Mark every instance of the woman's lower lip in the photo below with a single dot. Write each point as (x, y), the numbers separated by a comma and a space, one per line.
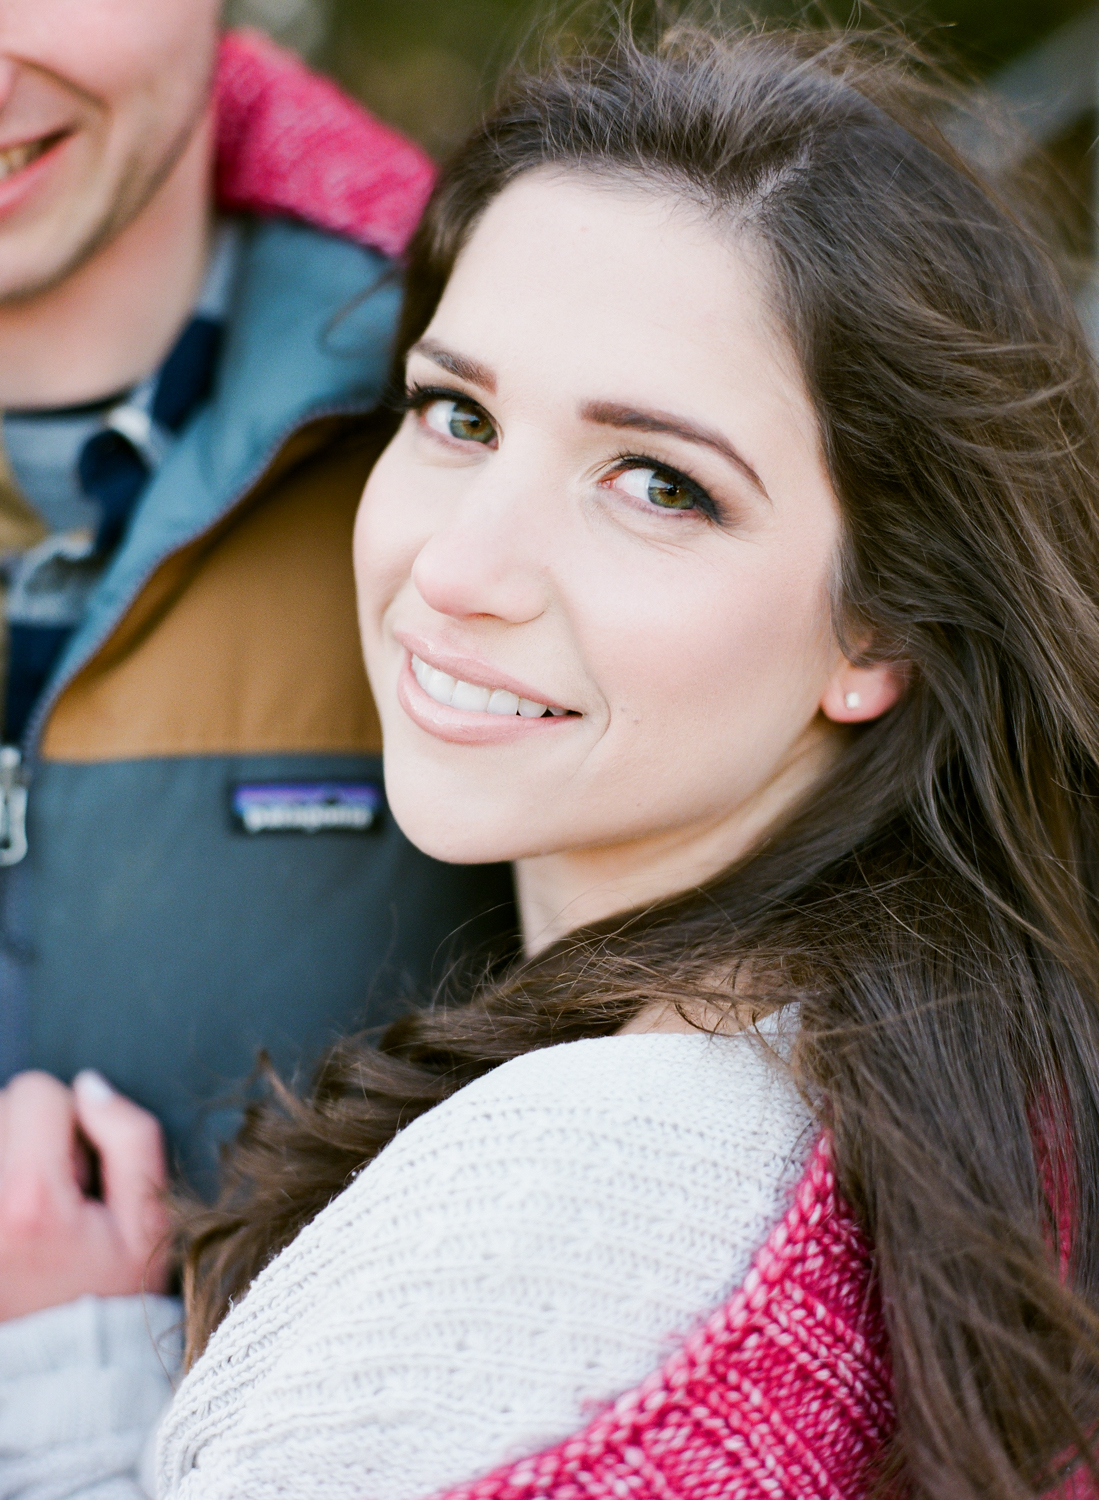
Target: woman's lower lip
(460, 726)
(15, 190)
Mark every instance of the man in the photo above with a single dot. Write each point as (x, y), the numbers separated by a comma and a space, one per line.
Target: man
(196, 302)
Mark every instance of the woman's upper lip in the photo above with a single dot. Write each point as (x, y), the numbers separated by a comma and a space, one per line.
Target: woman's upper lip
(471, 669)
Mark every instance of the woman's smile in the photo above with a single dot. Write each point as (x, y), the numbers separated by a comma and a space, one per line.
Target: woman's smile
(492, 708)
(457, 693)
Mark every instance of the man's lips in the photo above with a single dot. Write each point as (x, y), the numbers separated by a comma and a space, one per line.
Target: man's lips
(16, 157)
(20, 184)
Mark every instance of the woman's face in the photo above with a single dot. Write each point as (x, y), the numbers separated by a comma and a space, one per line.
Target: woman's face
(594, 562)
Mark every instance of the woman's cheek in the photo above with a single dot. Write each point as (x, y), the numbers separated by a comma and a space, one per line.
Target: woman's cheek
(379, 574)
(385, 541)
(736, 664)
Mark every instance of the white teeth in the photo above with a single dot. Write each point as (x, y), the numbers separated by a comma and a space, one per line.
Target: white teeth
(503, 702)
(467, 695)
(455, 693)
(439, 685)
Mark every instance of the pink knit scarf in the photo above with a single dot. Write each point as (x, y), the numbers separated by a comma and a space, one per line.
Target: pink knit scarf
(784, 1392)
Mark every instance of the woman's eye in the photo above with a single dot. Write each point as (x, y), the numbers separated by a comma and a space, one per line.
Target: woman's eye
(658, 487)
(458, 419)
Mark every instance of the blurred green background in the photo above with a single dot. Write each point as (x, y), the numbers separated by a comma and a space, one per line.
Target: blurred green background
(427, 64)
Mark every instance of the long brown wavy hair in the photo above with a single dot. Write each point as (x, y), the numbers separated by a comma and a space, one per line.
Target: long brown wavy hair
(932, 904)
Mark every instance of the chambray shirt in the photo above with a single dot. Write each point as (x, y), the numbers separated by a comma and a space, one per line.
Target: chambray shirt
(50, 583)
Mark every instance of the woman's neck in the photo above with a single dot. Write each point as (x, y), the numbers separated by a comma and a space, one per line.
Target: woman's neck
(558, 893)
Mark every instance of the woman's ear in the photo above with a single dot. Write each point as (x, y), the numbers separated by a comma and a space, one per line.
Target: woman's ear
(856, 694)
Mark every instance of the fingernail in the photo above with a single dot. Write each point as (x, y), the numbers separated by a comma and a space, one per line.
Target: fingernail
(92, 1087)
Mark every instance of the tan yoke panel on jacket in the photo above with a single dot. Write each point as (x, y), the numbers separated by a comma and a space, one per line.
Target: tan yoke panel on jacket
(244, 642)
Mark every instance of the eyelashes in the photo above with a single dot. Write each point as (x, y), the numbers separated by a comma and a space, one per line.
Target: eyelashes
(668, 490)
(417, 397)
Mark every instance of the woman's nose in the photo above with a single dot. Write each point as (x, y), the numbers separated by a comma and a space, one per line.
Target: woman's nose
(490, 558)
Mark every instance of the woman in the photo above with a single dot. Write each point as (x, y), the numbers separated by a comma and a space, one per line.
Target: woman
(734, 572)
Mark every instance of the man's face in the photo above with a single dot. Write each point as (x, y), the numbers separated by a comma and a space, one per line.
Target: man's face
(98, 99)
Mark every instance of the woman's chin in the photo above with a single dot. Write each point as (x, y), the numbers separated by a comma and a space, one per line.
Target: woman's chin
(438, 831)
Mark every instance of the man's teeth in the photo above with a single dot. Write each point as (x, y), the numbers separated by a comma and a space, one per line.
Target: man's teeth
(15, 158)
(458, 694)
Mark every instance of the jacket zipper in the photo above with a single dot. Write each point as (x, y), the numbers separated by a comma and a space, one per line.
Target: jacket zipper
(16, 760)
(13, 806)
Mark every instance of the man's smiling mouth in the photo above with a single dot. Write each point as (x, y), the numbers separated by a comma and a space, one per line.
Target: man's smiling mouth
(452, 692)
(14, 159)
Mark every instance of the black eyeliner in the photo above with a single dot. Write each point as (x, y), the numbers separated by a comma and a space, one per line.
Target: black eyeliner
(416, 396)
(706, 502)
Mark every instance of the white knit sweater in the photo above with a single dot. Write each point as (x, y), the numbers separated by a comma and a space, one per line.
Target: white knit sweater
(512, 1261)
(81, 1388)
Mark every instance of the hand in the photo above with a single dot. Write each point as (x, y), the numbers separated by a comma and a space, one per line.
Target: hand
(57, 1241)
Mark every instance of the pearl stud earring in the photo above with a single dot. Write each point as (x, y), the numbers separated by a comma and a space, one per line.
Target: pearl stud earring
(851, 700)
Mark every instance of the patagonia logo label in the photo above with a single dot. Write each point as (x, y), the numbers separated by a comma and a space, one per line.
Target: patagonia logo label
(307, 807)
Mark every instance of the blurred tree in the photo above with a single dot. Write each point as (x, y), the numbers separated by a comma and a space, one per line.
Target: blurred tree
(427, 64)
(301, 24)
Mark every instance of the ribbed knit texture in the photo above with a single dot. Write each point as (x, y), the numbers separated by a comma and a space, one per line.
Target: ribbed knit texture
(513, 1261)
(81, 1386)
(785, 1394)
(291, 142)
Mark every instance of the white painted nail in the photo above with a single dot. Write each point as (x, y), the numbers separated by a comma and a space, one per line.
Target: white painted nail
(92, 1087)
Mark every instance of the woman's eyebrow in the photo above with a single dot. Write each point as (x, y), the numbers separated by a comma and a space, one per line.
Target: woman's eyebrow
(456, 364)
(611, 414)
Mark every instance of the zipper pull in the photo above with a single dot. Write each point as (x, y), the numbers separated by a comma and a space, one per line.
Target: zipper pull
(13, 806)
